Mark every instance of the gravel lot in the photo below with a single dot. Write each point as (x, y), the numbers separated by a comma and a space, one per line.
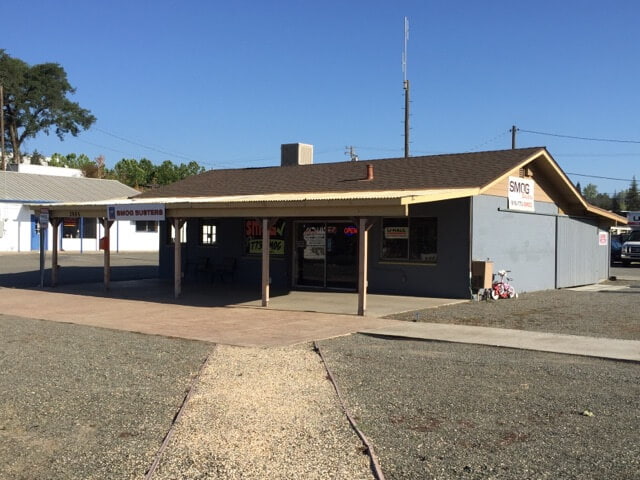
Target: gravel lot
(87, 403)
(264, 413)
(452, 411)
(611, 314)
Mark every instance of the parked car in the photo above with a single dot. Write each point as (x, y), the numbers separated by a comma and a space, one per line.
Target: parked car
(630, 251)
(616, 248)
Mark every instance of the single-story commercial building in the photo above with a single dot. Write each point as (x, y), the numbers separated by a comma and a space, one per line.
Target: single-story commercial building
(20, 228)
(423, 226)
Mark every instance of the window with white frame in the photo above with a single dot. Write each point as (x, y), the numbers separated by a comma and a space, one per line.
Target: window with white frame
(146, 226)
(208, 232)
(171, 233)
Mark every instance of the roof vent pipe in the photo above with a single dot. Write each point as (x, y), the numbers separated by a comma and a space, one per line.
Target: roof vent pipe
(369, 172)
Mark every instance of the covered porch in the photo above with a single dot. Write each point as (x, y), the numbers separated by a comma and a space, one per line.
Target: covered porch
(360, 210)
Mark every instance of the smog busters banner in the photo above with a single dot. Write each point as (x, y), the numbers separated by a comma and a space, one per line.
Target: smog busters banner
(149, 211)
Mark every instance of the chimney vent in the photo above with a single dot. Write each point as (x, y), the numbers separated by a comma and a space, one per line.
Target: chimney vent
(296, 154)
(369, 172)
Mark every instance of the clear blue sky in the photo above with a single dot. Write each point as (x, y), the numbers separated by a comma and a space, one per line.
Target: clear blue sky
(226, 82)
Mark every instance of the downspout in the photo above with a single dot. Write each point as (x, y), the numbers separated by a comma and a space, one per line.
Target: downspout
(81, 235)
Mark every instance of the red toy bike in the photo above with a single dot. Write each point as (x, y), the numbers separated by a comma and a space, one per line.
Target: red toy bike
(501, 288)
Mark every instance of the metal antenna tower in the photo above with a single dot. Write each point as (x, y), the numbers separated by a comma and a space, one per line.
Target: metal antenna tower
(350, 150)
(405, 86)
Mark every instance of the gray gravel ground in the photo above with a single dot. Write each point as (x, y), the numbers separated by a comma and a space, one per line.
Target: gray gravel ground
(610, 314)
(452, 411)
(86, 403)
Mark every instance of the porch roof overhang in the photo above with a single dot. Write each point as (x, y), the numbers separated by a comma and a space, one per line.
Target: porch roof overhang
(326, 204)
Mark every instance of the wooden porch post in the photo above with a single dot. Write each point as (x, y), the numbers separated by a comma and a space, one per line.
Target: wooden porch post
(265, 261)
(106, 224)
(177, 258)
(55, 224)
(363, 242)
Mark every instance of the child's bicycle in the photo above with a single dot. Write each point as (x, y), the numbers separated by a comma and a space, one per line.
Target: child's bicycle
(501, 288)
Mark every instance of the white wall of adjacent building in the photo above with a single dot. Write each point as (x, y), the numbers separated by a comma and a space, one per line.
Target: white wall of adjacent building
(15, 228)
(75, 235)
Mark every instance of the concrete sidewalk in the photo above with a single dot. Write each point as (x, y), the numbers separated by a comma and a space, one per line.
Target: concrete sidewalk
(522, 339)
(248, 326)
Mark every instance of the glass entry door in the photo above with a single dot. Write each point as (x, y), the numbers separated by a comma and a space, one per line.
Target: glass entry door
(326, 255)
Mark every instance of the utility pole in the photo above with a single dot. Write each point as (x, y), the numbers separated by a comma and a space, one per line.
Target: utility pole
(4, 163)
(513, 137)
(350, 150)
(405, 85)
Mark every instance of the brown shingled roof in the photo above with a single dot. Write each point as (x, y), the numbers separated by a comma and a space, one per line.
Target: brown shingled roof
(461, 170)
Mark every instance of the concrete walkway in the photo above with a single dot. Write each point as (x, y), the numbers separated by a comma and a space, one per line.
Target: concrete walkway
(249, 326)
(522, 339)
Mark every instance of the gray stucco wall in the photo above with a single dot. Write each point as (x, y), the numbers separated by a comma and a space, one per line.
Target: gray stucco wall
(521, 242)
(542, 250)
(581, 260)
(449, 277)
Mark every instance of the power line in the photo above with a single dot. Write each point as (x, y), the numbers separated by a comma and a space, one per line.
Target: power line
(596, 154)
(491, 140)
(591, 139)
(149, 147)
(603, 178)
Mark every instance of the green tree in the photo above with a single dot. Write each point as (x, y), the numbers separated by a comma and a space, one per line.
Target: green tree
(89, 168)
(130, 172)
(579, 188)
(632, 198)
(590, 192)
(36, 158)
(603, 200)
(167, 173)
(35, 101)
(615, 203)
(149, 170)
(144, 174)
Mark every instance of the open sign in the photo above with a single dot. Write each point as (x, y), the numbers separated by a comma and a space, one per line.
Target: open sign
(350, 231)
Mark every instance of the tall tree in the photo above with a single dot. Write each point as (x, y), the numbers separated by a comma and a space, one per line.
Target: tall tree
(144, 174)
(615, 203)
(130, 172)
(633, 197)
(35, 101)
(590, 192)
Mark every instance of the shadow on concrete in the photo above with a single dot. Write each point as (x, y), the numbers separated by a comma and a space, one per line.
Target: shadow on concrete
(162, 291)
(77, 275)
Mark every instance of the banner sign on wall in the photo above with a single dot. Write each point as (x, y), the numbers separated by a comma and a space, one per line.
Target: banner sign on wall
(520, 194)
(149, 211)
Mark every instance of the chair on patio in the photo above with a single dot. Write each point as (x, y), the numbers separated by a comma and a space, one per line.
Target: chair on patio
(226, 269)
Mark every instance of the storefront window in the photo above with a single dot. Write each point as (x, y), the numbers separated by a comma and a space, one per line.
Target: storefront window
(253, 237)
(414, 239)
(79, 228)
(89, 227)
(71, 228)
